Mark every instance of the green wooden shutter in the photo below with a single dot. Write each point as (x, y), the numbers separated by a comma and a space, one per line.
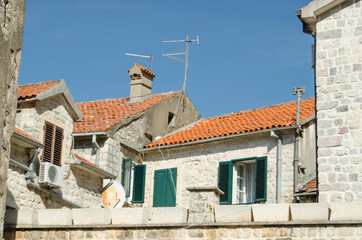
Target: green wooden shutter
(139, 177)
(260, 179)
(225, 182)
(159, 188)
(126, 175)
(171, 184)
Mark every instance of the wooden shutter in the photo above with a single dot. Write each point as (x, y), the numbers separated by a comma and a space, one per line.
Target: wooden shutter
(225, 182)
(48, 142)
(260, 179)
(171, 183)
(139, 178)
(53, 143)
(159, 189)
(126, 175)
(164, 191)
(58, 144)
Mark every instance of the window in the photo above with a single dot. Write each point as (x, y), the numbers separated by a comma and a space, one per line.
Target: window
(133, 180)
(53, 143)
(170, 117)
(164, 190)
(243, 180)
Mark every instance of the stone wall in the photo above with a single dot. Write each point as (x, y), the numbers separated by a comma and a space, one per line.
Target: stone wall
(257, 221)
(78, 186)
(339, 102)
(197, 165)
(11, 36)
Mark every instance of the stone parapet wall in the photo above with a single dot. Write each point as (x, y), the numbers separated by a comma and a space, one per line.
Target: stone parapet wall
(339, 102)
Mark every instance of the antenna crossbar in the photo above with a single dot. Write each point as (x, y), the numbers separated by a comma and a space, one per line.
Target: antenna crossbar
(139, 55)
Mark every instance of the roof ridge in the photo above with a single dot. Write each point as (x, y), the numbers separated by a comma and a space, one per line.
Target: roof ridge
(112, 99)
(39, 83)
(260, 108)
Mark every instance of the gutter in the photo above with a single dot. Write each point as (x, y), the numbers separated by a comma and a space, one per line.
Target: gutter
(27, 140)
(218, 138)
(95, 169)
(51, 193)
(97, 148)
(88, 134)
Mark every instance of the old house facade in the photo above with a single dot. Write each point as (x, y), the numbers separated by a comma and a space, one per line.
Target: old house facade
(336, 27)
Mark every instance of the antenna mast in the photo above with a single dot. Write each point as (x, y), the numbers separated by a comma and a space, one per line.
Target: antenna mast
(138, 55)
(186, 53)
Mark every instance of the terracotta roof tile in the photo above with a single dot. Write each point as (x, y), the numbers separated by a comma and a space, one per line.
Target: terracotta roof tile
(100, 116)
(31, 90)
(87, 162)
(144, 70)
(281, 115)
(310, 186)
(22, 133)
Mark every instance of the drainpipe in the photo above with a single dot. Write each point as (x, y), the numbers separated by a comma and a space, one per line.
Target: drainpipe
(279, 166)
(297, 91)
(97, 147)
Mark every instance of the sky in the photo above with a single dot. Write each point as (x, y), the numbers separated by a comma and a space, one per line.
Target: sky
(251, 53)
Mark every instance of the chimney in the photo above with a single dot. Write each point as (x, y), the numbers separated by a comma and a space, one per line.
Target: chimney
(141, 82)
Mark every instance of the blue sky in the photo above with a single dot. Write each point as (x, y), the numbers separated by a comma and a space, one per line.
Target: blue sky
(251, 53)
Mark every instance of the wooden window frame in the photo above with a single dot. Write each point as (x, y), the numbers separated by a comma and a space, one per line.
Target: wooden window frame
(53, 137)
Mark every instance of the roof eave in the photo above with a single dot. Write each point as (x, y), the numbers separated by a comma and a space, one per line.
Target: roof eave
(27, 140)
(218, 138)
(93, 169)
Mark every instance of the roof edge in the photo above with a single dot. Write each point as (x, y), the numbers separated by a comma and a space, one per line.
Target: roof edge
(62, 88)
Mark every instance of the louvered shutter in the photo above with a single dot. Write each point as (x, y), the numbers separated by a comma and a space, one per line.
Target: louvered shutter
(260, 179)
(139, 178)
(53, 143)
(225, 182)
(126, 175)
(171, 183)
(48, 142)
(159, 189)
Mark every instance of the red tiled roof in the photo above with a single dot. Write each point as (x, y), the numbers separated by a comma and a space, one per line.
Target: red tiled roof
(100, 116)
(281, 115)
(20, 132)
(31, 90)
(144, 70)
(87, 162)
(310, 186)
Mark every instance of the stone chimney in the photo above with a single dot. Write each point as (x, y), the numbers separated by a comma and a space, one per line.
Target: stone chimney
(141, 82)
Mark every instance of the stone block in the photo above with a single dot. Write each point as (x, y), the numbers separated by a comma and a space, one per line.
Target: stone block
(88, 216)
(270, 212)
(168, 215)
(309, 212)
(130, 215)
(55, 217)
(346, 211)
(233, 213)
(19, 217)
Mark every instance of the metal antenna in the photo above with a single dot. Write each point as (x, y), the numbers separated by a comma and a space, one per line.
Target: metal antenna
(186, 53)
(138, 55)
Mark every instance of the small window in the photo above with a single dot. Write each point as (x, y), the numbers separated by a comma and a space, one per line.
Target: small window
(164, 190)
(243, 180)
(170, 117)
(133, 181)
(149, 136)
(53, 143)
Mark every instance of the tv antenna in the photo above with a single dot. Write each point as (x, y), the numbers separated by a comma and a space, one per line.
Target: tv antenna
(186, 53)
(143, 56)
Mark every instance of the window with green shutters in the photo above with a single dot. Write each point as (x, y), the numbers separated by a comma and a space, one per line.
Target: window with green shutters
(164, 191)
(133, 181)
(243, 180)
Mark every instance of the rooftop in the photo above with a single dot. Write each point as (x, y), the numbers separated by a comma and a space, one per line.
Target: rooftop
(275, 116)
(33, 89)
(101, 115)
(28, 136)
(143, 69)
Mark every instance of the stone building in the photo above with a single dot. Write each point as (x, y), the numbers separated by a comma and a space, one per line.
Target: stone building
(61, 151)
(336, 26)
(247, 155)
(11, 35)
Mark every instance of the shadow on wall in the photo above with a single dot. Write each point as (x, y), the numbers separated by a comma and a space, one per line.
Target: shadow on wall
(87, 181)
